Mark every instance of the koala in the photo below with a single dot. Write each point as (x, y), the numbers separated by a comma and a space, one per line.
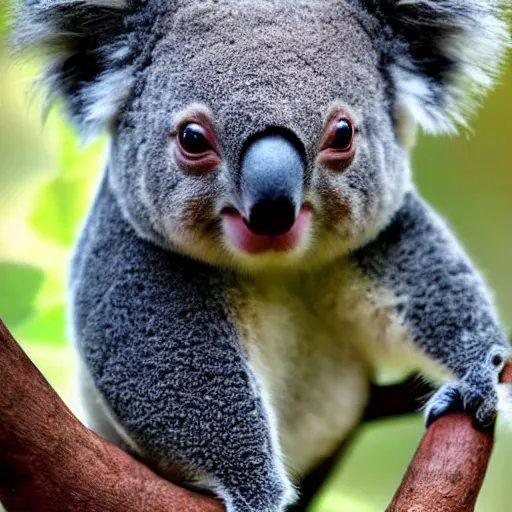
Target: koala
(257, 250)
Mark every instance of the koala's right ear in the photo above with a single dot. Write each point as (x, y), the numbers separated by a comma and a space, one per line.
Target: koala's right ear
(441, 56)
(86, 51)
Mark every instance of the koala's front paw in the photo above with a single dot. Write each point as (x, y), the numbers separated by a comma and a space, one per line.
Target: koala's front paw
(476, 393)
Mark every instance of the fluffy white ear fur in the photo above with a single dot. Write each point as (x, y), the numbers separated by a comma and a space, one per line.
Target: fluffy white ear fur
(505, 404)
(86, 55)
(471, 35)
(105, 97)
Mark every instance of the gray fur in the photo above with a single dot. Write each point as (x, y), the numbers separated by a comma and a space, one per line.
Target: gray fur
(86, 52)
(442, 55)
(158, 337)
(233, 372)
(444, 304)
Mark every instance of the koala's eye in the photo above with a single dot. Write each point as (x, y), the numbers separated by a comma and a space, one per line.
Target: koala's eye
(193, 139)
(343, 135)
(337, 149)
(195, 147)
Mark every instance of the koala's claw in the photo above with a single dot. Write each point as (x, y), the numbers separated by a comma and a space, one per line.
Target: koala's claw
(476, 393)
(446, 399)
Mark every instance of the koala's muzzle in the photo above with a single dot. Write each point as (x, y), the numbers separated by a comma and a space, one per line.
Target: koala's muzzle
(271, 184)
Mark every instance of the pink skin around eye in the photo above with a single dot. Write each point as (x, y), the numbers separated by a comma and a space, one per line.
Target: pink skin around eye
(246, 241)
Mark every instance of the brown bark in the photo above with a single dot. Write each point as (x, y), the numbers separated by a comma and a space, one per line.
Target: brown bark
(50, 462)
(449, 466)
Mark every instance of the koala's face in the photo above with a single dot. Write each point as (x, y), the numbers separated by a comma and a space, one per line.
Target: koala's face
(264, 133)
(260, 135)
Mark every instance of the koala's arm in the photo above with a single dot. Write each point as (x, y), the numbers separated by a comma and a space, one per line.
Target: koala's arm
(444, 305)
(158, 337)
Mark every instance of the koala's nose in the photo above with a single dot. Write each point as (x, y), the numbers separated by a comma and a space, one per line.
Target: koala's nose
(272, 217)
(271, 184)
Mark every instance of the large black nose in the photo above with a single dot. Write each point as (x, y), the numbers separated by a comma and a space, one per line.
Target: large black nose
(271, 184)
(272, 217)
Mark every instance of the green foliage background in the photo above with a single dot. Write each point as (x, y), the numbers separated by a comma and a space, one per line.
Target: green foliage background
(46, 180)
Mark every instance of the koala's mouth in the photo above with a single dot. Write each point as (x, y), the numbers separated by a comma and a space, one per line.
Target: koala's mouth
(245, 240)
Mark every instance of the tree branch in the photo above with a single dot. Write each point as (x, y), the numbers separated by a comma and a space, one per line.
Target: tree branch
(50, 462)
(449, 466)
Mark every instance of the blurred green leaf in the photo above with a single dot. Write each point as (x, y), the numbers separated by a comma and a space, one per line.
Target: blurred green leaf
(57, 210)
(74, 160)
(69, 154)
(20, 284)
(61, 202)
(46, 327)
(3, 19)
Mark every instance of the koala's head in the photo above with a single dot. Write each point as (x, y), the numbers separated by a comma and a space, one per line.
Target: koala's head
(266, 133)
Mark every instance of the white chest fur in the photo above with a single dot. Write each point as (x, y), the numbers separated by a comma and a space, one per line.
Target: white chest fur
(313, 344)
(312, 374)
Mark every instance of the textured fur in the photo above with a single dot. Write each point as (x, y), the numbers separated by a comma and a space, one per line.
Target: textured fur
(184, 392)
(442, 55)
(235, 373)
(87, 55)
(453, 310)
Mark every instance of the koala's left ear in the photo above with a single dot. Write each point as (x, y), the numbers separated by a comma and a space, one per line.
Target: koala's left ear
(440, 55)
(86, 52)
